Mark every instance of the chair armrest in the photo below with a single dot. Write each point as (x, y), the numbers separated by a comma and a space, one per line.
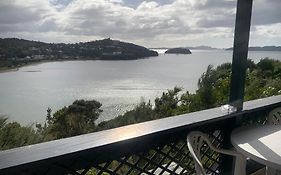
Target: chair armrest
(220, 150)
(198, 165)
(240, 160)
(196, 139)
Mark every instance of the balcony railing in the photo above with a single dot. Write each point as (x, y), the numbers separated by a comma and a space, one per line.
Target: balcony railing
(154, 147)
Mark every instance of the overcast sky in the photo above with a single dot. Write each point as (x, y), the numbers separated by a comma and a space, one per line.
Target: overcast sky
(150, 23)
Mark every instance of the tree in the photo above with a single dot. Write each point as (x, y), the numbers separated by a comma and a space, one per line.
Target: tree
(205, 88)
(78, 118)
(49, 115)
(167, 104)
(265, 65)
(141, 113)
(14, 135)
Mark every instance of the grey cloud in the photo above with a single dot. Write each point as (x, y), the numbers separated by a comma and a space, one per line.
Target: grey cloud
(16, 16)
(97, 20)
(19, 27)
(5, 28)
(131, 19)
(103, 21)
(48, 25)
(218, 4)
(12, 14)
(136, 3)
(266, 12)
(227, 21)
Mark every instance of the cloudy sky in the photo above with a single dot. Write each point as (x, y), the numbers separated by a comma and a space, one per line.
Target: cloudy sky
(153, 23)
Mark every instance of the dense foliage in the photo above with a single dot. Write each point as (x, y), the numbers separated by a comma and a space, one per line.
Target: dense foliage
(263, 80)
(78, 118)
(14, 135)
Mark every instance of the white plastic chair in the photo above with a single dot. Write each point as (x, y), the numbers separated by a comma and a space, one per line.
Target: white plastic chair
(196, 139)
(274, 118)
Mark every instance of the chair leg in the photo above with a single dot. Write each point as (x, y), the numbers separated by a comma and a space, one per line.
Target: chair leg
(270, 171)
(198, 170)
(240, 165)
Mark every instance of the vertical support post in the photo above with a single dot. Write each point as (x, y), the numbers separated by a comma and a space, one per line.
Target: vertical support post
(238, 76)
(240, 52)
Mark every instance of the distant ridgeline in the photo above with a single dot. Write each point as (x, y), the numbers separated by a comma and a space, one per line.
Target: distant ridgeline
(12, 49)
(265, 48)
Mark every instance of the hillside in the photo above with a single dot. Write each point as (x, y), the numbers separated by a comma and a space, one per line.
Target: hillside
(15, 52)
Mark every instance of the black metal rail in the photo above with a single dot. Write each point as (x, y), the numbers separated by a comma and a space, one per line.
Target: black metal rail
(151, 147)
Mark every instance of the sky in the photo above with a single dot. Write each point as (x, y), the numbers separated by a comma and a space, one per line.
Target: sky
(156, 23)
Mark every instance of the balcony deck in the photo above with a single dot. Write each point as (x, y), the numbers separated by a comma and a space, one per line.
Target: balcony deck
(154, 147)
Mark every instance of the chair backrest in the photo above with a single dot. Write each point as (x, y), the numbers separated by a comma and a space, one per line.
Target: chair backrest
(195, 141)
(274, 117)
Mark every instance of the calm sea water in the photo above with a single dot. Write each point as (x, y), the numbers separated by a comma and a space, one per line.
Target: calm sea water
(118, 85)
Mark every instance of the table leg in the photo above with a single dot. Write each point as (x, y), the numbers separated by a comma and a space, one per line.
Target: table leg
(272, 171)
(240, 165)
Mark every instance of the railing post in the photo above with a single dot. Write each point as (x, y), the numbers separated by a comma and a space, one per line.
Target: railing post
(240, 52)
(238, 76)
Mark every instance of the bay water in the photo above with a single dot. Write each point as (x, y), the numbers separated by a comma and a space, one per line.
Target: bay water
(26, 94)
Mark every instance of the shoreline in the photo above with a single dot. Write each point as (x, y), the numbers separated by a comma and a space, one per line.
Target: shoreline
(16, 68)
(32, 63)
(7, 69)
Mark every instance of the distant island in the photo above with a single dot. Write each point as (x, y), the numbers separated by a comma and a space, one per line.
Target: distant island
(264, 48)
(202, 48)
(179, 50)
(18, 52)
(191, 48)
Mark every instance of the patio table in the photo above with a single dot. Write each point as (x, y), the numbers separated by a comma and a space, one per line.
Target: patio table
(260, 143)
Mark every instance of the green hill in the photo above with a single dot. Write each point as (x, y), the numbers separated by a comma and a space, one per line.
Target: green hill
(15, 52)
